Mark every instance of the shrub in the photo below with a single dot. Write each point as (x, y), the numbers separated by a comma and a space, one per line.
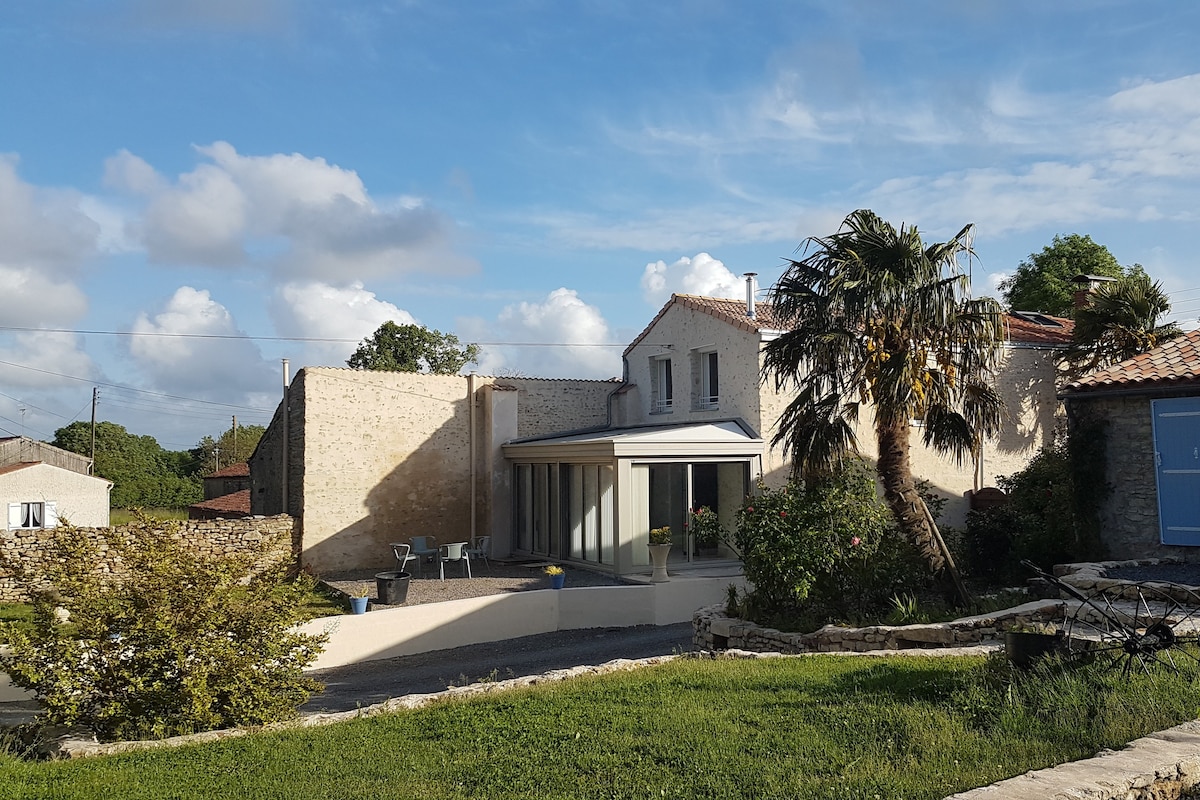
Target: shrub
(168, 642)
(821, 546)
(1038, 523)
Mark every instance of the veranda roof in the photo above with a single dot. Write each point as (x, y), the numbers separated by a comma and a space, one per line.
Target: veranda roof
(723, 439)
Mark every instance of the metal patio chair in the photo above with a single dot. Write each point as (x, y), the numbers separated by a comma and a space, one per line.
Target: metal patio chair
(455, 551)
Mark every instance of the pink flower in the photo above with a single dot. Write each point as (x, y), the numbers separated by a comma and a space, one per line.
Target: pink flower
(749, 509)
(855, 541)
(783, 513)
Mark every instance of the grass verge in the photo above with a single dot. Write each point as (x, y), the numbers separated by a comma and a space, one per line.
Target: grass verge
(821, 727)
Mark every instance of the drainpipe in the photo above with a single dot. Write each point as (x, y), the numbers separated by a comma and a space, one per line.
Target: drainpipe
(471, 447)
(608, 405)
(749, 276)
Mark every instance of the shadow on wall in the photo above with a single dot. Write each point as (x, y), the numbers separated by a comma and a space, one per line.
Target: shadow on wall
(426, 493)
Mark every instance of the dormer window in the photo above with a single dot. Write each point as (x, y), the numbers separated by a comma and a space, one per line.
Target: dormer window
(708, 394)
(661, 386)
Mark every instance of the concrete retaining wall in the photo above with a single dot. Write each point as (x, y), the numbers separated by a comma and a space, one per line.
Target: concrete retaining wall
(392, 632)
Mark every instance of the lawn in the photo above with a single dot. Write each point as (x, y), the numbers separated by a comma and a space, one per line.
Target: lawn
(822, 727)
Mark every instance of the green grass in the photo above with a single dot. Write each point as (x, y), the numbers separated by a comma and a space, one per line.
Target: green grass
(824, 727)
(123, 516)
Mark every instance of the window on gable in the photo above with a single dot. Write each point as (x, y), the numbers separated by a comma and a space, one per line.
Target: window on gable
(709, 380)
(661, 387)
(31, 516)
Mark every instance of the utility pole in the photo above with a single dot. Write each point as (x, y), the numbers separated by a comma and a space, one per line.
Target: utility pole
(217, 457)
(235, 450)
(95, 397)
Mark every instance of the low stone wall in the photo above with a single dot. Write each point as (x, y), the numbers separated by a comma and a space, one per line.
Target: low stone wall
(713, 630)
(215, 537)
(1091, 578)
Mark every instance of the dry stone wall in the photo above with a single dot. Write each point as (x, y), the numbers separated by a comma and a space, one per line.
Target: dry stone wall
(216, 537)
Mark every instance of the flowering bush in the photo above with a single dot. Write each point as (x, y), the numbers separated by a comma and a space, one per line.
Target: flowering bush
(825, 545)
(705, 527)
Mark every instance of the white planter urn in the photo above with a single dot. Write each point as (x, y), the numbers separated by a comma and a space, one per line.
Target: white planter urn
(658, 557)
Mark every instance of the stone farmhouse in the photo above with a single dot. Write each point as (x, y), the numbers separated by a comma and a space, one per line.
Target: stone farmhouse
(41, 484)
(576, 470)
(1147, 409)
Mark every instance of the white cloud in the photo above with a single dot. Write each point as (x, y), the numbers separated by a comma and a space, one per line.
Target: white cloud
(33, 298)
(302, 217)
(702, 275)
(42, 228)
(205, 367)
(314, 310)
(48, 360)
(561, 320)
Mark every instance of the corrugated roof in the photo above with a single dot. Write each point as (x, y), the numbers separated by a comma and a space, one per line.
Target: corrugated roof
(1173, 364)
(1020, 330)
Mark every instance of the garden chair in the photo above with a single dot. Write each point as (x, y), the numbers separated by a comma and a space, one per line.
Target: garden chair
(424, 548)
(404, 554)
(456, 551)
(483, 545)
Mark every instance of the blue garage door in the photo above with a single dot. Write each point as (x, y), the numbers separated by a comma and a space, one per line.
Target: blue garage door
(1177, 446)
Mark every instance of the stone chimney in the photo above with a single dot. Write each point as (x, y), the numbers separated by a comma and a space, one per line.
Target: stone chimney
(1084, 286)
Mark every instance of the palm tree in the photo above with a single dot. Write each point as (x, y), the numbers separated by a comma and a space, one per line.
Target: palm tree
(1121, 321)
(882, 321)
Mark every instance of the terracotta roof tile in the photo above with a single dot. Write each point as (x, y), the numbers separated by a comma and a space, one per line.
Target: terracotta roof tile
(1020, 329)
(239, 470)
(238, 502)
(1175, 363)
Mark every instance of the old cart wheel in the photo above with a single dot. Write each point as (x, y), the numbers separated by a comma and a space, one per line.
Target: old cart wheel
(1131, 626)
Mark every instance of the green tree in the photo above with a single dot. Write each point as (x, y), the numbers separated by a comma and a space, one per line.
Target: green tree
(1044, 282)
(412, 348)
(879, 319)
(1121, 320)
(231, 447)
(180, 642)
(142, 472)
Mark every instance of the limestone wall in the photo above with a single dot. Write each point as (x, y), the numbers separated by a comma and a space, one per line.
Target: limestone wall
(380, 457)
(713, 630)
(208, 537)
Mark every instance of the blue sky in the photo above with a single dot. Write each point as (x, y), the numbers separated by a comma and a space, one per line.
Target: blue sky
(253, 173)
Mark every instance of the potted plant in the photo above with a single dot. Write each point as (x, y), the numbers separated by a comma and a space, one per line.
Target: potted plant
(1026, 642)
(706, 531)
(660, 545)
(557, 576)
(358, 604)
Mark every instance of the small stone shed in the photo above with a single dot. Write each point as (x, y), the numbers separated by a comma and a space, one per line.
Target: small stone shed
(1148, 408)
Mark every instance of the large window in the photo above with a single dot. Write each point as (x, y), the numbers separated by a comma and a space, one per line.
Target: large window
(31, 516)
(566, 511)
(661, 386)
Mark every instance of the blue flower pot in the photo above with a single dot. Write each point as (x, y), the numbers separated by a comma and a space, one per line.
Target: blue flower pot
(557, 581)
(358, 605)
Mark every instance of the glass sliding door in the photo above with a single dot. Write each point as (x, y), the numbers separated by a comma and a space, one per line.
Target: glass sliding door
(665, 493)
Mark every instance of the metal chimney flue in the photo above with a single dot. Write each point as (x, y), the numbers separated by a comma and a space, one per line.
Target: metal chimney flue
(749, 276)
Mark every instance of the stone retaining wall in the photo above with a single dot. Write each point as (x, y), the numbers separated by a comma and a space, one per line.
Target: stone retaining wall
(713, 630)
(215, 537)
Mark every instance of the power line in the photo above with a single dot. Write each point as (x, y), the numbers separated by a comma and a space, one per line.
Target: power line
(246, 337)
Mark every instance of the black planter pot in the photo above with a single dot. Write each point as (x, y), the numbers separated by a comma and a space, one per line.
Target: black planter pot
(391, 588)
(1024, 648)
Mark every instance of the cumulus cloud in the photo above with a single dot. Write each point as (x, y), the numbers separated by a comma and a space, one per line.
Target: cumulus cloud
(313, 310)
(302, 217)
(44, 360)
(559, 321)
(33, 297)
(201, 361)
(703, 275)
(42, 228)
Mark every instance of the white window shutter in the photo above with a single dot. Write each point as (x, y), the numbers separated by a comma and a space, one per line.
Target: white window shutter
(14, 516)
(50, 520)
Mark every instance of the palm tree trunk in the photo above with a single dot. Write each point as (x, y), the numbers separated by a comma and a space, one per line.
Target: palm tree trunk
(901, 495)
